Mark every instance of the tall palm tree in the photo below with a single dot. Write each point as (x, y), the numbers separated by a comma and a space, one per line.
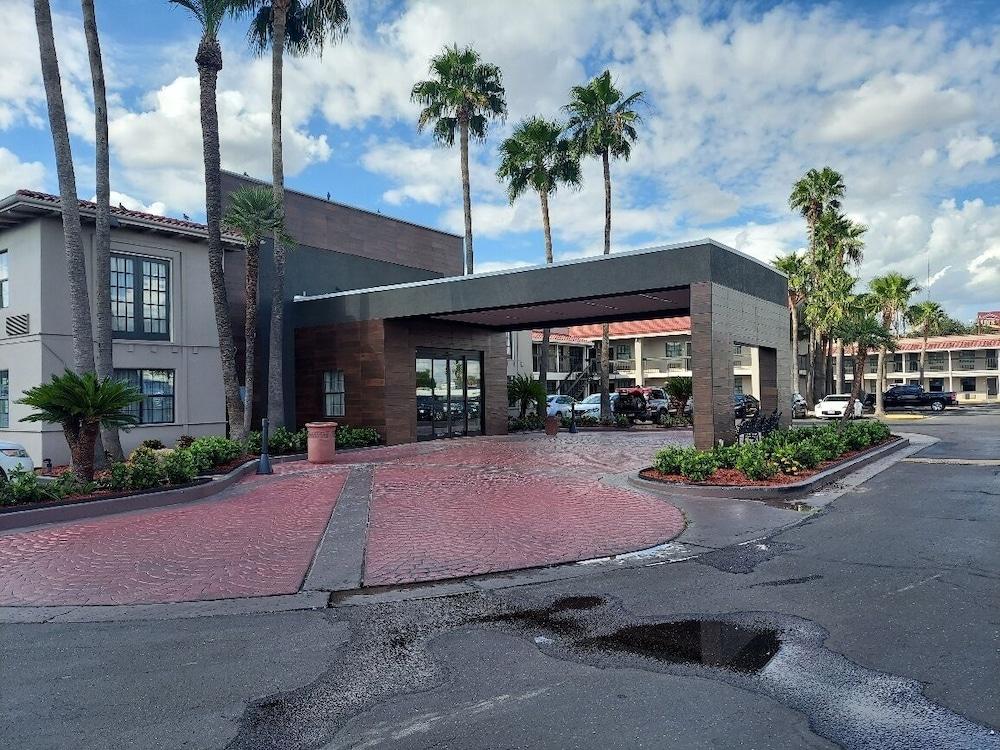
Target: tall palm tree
(602, 122)
(210, 14)
(102, 231)
(464, 94)
(794, 267)
(866, 333)
(254, 213)
(536, 156)
(890, 295)
(929, 318)
(299, 27)
(813, 195)
(76, 267)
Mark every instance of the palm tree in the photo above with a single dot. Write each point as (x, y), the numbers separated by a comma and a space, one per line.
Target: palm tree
(299, 27)
(81, 404)
(102, 231)
(889, 294)
(794, 267)
(929, 318)
(866, 333)
(537, 156)
(679, 389)
(254, 213)
(464, 94)
(210, 14)
(816, 193)
(602, 122)
(524, 390)
(76, 267)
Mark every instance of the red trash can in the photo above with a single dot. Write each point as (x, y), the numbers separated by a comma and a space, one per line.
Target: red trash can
(321, 442)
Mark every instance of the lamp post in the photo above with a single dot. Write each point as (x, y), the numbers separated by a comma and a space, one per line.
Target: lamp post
(264, 463)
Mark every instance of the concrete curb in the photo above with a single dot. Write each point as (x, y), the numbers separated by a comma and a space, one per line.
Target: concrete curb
(783, 491)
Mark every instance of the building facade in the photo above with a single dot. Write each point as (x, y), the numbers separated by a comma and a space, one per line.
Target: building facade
(165, 340)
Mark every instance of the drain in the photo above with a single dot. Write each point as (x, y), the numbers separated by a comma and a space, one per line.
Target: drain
(712, 643)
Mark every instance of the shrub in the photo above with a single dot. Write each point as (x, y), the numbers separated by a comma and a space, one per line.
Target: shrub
(153, 444)
(144, 470)
(212, 450)
(726, 456)
(68, 483)
(830, 443)
(698, 465)
(283, 441)
(118, 476)
(357, 437)
(179, 466)
(786, 458)
(668, 460)
(622, 421)
(755, 463)
(22, 486)
(520, 424)
(184, 441)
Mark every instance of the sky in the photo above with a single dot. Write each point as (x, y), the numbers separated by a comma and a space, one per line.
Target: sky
(740, 99)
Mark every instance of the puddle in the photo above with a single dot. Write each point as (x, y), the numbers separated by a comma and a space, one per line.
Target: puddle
(712, 643)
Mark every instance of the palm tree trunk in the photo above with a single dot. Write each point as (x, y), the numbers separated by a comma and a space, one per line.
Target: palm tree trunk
(250, 334)
(463, 125)
(840, 367)
(828, 362)
(880, 383)
(276, 337)
(795, 345)
(543, 360)
(103, 359)
(209, 60)
(860, 355)
(811, 370)
(76, 268)
(605, 329)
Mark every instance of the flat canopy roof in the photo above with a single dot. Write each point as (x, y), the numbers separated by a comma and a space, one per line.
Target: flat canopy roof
(622, 286)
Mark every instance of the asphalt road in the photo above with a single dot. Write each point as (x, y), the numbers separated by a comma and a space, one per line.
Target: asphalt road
(875, 624)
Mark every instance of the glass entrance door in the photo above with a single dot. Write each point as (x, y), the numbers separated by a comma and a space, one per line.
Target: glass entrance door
(449, 394)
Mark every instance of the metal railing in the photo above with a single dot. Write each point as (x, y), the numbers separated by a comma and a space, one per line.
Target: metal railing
(666, 364)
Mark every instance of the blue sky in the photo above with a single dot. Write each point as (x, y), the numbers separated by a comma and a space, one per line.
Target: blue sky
(742, 99)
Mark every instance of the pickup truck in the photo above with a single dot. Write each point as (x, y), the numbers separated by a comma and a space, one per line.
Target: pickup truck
(900, 396)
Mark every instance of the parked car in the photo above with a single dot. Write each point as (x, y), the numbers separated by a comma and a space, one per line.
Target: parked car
(833, 406)
(658, 404)
(631, 404)
(745, 405)
(799, 406)
(591, 406)
(12, 456)
(900, 396)
(559, 405)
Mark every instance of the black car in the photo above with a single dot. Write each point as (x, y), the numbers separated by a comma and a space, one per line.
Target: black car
(745, 405)
(631, 405)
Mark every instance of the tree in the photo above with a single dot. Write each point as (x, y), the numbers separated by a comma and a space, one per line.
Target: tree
(81, 404)
(813, 195)
(602, 123)
(210, 14)
(523, 390)
(299, 27)
(536, 156)
(679, 389)
(866, 333)
(104, 360)
(462, 95)
(794, 267)
(929, 318)
(76, 267)
(889, 296)
(254, 213)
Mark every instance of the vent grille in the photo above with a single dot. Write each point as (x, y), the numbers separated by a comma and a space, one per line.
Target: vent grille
(17, 325)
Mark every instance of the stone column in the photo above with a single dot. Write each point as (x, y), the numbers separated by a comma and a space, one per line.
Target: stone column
(767, 372)
(640, 379)
(712, 370)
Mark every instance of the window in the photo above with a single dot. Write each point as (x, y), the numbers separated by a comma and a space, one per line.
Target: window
(333, 393)
(623, 351)
(4, 280)
(510, 345)
(157, 388)
(967, 360)
(676, 349)
(140, 297)
(4, 398)
(969, 385)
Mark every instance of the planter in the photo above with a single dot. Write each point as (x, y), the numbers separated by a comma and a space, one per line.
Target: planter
(552, 425)
(322, 442)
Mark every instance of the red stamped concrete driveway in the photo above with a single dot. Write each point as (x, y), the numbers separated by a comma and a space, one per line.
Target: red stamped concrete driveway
(256, 539)
(472, 506)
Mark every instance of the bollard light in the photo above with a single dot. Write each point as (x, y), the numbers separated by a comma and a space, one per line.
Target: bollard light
(264, 463)
(572, 418)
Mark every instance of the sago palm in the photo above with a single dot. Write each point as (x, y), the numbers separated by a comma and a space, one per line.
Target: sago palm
(461, 97)
(210, 15)
(254, 213)
(890, 295)
(299, 27)
(866, 333)
(603, 123)
(537, 157)
(929, 318)
(81, 404)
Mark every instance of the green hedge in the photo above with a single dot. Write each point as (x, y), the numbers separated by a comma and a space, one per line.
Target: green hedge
(785, 451)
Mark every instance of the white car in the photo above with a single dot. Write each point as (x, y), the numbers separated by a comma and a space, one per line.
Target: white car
(591, 406)
(560, 406)
(832, 407)
(13, 455)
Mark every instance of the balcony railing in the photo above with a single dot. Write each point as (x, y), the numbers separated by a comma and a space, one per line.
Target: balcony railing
(741, 360)
(622, 365)
(666, 364)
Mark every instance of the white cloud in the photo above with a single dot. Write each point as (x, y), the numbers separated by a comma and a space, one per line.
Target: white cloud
(970, 150)
(502, 265)
(156, 208)
(16, 174)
